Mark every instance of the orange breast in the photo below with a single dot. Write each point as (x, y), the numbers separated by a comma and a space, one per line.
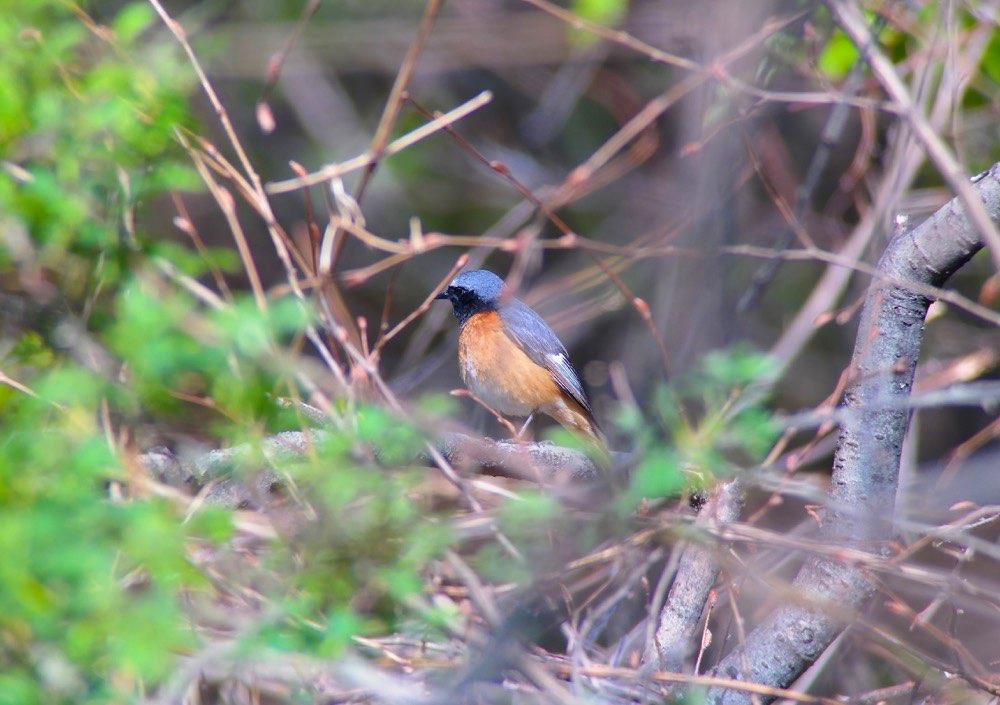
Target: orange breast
(498, 371)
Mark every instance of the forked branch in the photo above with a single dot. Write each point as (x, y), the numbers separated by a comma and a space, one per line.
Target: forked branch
(866, 464)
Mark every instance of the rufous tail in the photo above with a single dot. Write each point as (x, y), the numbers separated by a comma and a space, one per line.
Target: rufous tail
(573, 416)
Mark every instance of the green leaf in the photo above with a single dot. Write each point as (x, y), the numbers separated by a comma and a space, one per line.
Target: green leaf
(754, 431)
(401, 583)
(290, 315)
(838, 56)
(212, 523)
(341, 626)
(629, 419)
(171, 176)
(991, 57)
(70, 387)
(603, 12)
(437, 405)
(530, 512)
(148, 630)
(31, 349)
(396, 440)
(737, 367)
(132, 20)
(658, 475)
(246, 326)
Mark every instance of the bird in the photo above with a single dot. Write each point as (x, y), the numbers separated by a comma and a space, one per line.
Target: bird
(510, 358)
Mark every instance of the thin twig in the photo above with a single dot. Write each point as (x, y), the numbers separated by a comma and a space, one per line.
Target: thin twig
(422, 308)
(853, 23)
(397, 145)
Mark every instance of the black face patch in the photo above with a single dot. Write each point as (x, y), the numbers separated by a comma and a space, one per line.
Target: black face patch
(466, 303)
(472, 292)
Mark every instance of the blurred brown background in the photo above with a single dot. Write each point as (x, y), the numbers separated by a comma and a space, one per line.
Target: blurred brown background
(722, 166)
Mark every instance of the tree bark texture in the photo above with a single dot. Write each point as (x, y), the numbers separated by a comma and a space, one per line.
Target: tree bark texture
(866, 464)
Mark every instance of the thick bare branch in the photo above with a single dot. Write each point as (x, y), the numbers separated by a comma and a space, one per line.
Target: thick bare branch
(231, 489)
(697, 572)
(866, 464)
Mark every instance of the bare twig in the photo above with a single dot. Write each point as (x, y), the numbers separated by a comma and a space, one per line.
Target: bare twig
(866, 467)
(390, 113)
(674, 639)
(422, 308)
(853, 23)
(276, 61)
(903, 169)
(830, 135)
(368, 158)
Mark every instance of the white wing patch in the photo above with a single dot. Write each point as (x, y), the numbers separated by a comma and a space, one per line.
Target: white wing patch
(566, 375)
(560, 363)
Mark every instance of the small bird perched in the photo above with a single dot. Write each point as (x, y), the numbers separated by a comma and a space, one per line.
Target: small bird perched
(511, 359)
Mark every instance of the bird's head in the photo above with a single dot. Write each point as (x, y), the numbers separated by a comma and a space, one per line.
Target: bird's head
(472, 292)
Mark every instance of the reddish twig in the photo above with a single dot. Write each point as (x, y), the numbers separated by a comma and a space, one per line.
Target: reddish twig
(501, 419)
(274, 63)
(853, 23)
(422, 308)
(865, 471)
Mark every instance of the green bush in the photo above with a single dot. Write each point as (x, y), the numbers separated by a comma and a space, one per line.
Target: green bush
(88, 583)
(100, 584)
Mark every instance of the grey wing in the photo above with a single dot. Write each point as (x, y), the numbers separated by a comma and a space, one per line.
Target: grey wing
(539, 343)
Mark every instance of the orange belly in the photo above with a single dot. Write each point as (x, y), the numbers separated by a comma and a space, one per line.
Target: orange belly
(497, 371)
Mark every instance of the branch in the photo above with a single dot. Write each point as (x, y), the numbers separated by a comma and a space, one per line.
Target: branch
(237, 490)
(866, 465)
(697, 572)
(851, 20)
(556, 462)
(366, 159)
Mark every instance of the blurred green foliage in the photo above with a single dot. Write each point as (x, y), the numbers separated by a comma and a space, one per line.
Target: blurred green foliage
(991, 59)
(707, 427)
(96, 566)
(363, 555)
(88, 586)
(84, 109)
(603, 12)
(98, 574)
(838, 56)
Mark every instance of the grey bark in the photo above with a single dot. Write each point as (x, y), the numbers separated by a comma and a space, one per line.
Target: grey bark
(676, 633)
(234, 489)
(866, 464)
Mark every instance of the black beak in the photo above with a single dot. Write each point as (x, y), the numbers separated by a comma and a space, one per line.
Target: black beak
(443, 295)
